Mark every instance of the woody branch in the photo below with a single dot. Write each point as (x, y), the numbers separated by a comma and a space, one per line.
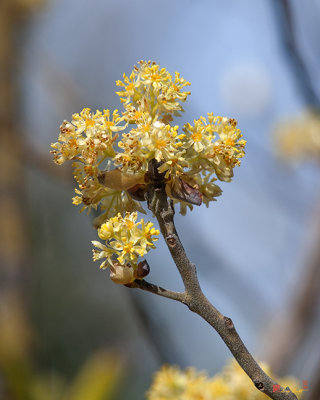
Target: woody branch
(193, 297)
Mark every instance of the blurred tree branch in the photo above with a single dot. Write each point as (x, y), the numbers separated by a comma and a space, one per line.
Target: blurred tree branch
(302, 312)
(15, 332)
(304, 303)
(284, 17)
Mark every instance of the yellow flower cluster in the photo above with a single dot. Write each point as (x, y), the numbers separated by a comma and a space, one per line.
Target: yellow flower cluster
(88, 138)
(214, 147)
(125, 240)
(298, 139)
(111, 170)
(171, 383)
(88, 141)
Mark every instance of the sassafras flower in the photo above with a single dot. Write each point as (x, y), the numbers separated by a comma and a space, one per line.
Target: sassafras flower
(174, 165)
(88, 122)
(197, 136)
(147, 231)
(210, 147)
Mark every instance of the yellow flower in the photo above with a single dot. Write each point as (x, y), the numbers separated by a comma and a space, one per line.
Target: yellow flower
(197, 136)
(147, 231)
(105, 252)
(140, 145)
(88, 122)
(153, 90)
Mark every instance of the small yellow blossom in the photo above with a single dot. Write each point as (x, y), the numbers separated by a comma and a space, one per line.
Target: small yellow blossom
(147, 231)
(152, 89)
(197, 137)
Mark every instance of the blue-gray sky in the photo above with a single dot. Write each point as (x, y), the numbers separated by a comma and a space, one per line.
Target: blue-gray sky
(231, 53)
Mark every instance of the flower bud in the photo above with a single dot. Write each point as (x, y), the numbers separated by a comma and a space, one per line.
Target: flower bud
(142, 270)
(122, 274)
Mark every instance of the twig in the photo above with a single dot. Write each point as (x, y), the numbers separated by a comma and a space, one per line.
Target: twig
(150, 287)
(283, 14)
(196, 301)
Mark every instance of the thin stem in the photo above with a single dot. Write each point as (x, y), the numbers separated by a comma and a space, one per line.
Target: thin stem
(197, 301)
(150, 287)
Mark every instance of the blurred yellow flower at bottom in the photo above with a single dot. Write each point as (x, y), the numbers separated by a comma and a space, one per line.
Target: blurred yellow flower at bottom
(172, 383)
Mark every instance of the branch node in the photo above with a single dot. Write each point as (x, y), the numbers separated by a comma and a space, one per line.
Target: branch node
(167, 215)
(228, 322)
(171, 240)
(259, 385)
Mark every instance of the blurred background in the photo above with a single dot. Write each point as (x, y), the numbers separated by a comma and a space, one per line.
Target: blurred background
(66, 330)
